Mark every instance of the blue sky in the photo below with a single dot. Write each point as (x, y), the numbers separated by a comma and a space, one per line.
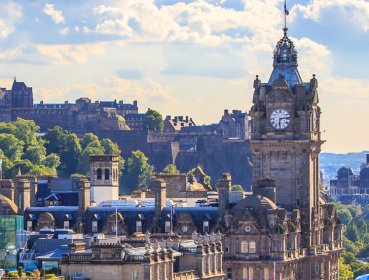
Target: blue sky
(191, 57)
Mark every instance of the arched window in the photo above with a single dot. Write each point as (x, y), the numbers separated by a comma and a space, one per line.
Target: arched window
(99, 174)
(266, 273)
(252, 247)
(244, 247)
(107, 174)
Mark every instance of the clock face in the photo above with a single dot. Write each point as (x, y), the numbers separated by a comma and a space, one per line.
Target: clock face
(280, 119)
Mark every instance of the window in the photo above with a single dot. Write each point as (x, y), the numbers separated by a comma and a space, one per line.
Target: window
(297, 181)
(252, 247)
(107, 174)
(134, 275)
(138, 226)
(184, 229)
(66, 224)
(244, 273)
(205, 226)
(251, 273)
(226, 249)
(316, 267)
(244, 247)
(266, 273)
(229, 273)
(98, 174)
(29, 225)
(94, 226)
(167, 226)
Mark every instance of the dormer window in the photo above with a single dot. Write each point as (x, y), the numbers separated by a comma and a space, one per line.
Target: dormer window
(167, 226)
(205, 226)
(138, 226)
(184, 229)
(244, 247)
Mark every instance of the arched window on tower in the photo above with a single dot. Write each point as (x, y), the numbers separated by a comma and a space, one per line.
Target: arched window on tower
(99, 174)
(107, 174)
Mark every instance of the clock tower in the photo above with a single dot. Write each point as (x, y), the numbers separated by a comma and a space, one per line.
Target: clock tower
(285, 138)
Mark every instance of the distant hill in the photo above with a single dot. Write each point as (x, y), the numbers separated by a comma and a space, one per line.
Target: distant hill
(331, 162)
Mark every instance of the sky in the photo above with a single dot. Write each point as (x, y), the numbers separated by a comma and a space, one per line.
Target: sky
(190, 57)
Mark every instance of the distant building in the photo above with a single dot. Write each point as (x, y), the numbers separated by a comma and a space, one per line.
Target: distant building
(81, 117)
(159, 256)
(347, 185)
(136, 121)
(176, 123)
(233, 125)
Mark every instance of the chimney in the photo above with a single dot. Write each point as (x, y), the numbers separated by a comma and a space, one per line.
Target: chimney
(160, 190)
(367, 159)
(22, 195)
(84, 194)
(224, 188)
(135, 103)
(225, 112)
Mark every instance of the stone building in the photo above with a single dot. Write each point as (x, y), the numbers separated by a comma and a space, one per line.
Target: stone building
(153, 257)
(233, 125)
(351, 187)
(176, 123)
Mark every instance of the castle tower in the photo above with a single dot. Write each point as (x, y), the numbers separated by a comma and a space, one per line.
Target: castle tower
(21, 95)
(285, 138)
(104, 172)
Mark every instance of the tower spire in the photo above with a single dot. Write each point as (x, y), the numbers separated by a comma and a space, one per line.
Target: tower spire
(286, 13)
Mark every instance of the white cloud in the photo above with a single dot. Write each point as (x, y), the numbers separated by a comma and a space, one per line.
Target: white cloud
(62, 54)
(358, 8)
(64, 31)
(56, 15)
(198, 21)
(147, 91)
(11, 13)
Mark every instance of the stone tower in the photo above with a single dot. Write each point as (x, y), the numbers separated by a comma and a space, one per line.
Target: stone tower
(285, 138)
(104, 172)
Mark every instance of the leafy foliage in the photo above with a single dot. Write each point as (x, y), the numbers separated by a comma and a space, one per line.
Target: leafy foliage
(59, 152)
(170, 169)
(153, 120)
(139, 172)
(237, 188)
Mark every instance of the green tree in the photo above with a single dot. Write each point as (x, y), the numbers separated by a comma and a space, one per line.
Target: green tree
(41, 170)
(26, 131)
(344, 215)
(139, 172)
(88, 138)
(84, 160)
(146, 178)
(35, 153)
(11, 146)
(70, 154)
(237, 188)
(25, 166)
(153, 120)
(111, 148)
(352, 232)
(170, 169)
(345, 272)
(52, 161)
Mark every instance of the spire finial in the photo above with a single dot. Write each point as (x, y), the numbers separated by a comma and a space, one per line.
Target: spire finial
(286, 13)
